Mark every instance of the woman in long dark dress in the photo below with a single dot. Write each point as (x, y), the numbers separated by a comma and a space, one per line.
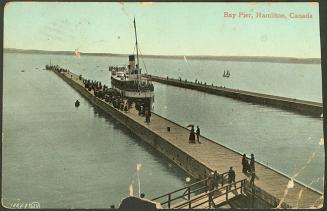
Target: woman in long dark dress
(245, 164)
(192, 136)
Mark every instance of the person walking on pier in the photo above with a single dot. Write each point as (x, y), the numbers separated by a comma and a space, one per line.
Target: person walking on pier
(245, 165)
(147, 116)
(198, 134)
(252, 161)
(231, 177)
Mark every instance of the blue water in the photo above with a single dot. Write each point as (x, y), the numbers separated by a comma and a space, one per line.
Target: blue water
(300, 81)
(282, 140)
(65, 157)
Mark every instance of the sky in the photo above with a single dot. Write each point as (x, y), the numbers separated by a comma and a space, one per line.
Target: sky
(164, 28)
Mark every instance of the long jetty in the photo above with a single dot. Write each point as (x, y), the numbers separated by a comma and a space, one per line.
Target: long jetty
(198, 160)
(309, 108)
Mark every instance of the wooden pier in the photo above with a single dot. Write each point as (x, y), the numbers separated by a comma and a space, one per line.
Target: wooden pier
(299, 106)
(199, 159)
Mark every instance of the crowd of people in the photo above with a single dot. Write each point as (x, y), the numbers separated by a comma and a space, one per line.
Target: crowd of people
(141, 85)
(107, 94)
(196, 82)
(117, 68)
(114, 97)
(214, 178)
(56, 68)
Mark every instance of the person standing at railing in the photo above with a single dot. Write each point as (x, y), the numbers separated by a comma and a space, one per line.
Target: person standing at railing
(211, 186)
(210, 181)
(216, 179)
(252, 161)
(231, 177)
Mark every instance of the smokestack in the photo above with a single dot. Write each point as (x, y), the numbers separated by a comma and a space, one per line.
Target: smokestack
(131, 62)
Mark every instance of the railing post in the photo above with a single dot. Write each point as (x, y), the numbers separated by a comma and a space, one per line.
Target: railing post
(188, 193)
(227, 193)
(169, 198)
(189, 197)
(206, 185)
(209, 200)
(253, 195)
(222, 180)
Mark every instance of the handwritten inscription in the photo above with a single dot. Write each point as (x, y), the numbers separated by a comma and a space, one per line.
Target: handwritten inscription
(261, 15)
(20, 205)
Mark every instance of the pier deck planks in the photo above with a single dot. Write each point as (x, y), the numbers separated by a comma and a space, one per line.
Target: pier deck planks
(217, 157)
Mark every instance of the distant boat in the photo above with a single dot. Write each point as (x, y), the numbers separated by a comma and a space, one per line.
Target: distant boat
(226, 74)
(22, 71)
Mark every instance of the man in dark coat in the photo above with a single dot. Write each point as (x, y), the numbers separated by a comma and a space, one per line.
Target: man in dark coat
(252, 161)
(198, 134)
(231, 177)
(211, 186)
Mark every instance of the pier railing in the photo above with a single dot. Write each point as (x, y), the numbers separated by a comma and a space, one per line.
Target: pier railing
(209, 197)
(185, 193)
(258, 193)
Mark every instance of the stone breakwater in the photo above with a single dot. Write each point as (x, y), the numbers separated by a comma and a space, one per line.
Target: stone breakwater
(270, 184)
(313, 109)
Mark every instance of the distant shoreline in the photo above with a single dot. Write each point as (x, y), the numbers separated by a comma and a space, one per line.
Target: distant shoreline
(218, 58)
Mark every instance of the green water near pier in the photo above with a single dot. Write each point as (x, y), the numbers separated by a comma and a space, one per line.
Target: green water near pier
(67, 157)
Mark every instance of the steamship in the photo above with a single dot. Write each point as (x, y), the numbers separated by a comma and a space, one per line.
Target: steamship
(129, 83)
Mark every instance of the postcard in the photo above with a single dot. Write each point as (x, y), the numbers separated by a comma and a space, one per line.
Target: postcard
(151, 105)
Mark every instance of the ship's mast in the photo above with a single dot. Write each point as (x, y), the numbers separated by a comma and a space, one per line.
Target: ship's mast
(137, 50)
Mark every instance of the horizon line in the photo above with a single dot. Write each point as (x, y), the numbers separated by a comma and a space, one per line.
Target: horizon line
(164, 55)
